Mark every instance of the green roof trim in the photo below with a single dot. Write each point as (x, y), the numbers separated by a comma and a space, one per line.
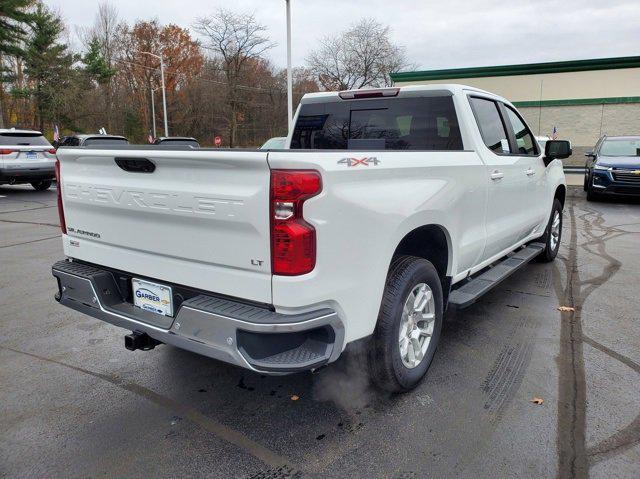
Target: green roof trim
(578, 101)
(523, 69)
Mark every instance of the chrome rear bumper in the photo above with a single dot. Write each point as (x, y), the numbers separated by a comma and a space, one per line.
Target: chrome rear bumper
(249, 336)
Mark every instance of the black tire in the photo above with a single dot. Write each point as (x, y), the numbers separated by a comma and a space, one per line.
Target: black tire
(550, 252)
(385, 363)
(592, 195)
(586, 181)
(42, 185)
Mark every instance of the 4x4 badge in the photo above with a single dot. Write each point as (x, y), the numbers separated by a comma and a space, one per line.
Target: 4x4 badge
(371, 160)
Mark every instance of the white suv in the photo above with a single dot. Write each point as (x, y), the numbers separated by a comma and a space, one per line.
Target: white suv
(26, 157)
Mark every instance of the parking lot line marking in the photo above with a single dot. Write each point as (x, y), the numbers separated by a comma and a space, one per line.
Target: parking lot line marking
(29, 242)
(30, 223)
(220, 430)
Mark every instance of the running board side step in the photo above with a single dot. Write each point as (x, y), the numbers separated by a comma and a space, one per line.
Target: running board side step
(472, 290)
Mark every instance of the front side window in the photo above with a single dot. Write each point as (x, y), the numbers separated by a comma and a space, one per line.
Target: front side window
(524, 139)
(490, 124)
(423, 123)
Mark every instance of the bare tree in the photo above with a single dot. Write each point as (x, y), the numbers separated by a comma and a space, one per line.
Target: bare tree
(235, 39)
(359, 57)
(107, 30)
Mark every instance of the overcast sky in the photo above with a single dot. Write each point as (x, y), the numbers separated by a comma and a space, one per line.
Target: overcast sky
(436, 34)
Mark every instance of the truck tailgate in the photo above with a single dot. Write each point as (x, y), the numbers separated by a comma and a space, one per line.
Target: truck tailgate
(200, 218)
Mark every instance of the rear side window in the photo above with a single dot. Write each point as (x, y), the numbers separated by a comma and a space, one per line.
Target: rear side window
(524, 138)
(490, 123)
(23, 139)
(105, 141)
(427, 123)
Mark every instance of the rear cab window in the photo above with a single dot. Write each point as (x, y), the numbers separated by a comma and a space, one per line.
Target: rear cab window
(419, 123)
(180, 142)
(105, 141)
(23, 139)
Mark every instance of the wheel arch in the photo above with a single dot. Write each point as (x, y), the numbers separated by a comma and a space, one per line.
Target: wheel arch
(431, 242)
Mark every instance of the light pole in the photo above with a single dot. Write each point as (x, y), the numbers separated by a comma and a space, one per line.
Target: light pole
(289, 72)
(153, 112)
(164, 95)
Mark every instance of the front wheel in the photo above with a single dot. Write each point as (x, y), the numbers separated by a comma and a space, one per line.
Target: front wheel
(553, 234)
(409, 324)
(41, 185)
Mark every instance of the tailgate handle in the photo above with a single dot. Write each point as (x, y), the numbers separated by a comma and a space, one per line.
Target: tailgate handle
(136, 165)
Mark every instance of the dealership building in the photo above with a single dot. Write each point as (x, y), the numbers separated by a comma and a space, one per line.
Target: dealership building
(582, 99)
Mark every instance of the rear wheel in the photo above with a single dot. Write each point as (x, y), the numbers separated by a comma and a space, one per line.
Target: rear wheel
(409, 325)
(553, 234)
(42, 185)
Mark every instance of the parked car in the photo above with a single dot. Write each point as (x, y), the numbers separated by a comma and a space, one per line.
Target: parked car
(275, 143)
(542, 141)
(26, 157)
(387, 206)
(91, 140)
(613, 167)
(177, 140)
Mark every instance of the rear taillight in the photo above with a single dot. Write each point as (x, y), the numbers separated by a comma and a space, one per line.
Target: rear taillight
(293, 240)
(63, 224)
(52, 151)
(5, 151)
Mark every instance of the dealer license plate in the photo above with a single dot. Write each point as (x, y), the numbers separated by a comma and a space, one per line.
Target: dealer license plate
(153, 297)
(32, 155)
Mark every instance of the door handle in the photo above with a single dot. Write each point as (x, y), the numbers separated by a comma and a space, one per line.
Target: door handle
(530, 172)
(497, 175)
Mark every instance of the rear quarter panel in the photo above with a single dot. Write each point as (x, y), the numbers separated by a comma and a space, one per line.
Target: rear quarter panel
(364, 212)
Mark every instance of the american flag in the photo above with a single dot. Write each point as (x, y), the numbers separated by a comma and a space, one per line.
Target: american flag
(554, 134)
(56, 133)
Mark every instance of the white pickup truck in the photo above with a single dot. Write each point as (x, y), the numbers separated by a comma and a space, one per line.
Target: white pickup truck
(386, 206)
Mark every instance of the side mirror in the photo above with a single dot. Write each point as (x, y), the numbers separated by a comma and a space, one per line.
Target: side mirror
(556, 150)
(590, 154)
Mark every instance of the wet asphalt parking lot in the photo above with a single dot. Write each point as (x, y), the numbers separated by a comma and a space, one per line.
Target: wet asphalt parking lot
(75, 403)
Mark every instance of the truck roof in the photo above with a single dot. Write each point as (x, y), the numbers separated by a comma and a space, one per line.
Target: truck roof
(16, 130)
(403, 91)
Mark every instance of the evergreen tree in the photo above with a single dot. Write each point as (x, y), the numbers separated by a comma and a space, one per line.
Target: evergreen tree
(96, 65)
(14, 22)
(48, 64)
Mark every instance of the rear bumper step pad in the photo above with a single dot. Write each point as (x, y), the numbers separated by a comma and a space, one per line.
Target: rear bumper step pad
(248, 336)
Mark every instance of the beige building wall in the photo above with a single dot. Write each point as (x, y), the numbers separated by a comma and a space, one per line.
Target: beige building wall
(624, 82)
(583, 125)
